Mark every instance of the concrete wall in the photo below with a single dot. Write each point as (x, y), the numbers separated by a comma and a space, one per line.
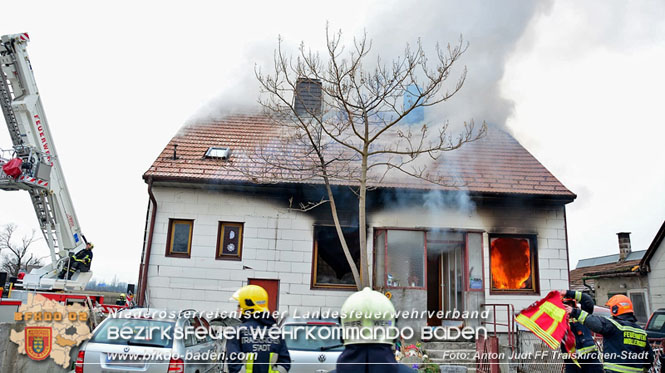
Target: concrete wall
(613, 285)
(278, 245)
(657, 279)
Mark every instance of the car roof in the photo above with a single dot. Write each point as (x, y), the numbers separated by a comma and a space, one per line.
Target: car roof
(160, 314)
(310, 320)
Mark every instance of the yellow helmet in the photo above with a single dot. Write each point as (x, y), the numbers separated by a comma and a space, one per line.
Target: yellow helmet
(252, 299)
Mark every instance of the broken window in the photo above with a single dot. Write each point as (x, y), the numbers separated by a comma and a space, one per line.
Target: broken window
(179, 238)
(513, 264)
(331, 268)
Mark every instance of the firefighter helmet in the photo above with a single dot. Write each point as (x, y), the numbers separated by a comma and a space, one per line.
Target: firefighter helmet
(619, 304)
(252, 299)
(89, 245)
(366, 317)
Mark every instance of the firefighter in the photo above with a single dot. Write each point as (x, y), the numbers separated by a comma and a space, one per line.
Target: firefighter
(625, 345)
(272, 355)
(78, 262)
(585, 347)
(368, 309)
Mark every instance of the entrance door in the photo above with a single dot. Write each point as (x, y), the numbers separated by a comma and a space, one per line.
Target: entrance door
(445, 273)
(272, 287)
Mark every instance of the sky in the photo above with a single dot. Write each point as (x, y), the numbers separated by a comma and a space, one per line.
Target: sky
(577, 83)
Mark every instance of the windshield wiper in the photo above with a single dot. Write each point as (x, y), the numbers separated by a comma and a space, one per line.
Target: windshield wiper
(142, 343)
(326, 348)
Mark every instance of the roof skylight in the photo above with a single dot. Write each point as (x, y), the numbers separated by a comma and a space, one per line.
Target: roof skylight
(218, 152)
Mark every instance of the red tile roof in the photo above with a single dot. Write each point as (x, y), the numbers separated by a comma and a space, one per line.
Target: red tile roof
(497, 163)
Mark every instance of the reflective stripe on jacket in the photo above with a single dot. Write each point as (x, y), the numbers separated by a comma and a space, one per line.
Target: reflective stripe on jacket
(625, 345)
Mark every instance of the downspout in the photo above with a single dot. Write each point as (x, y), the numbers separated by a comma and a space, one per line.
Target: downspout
(143, 278)
(565, 226)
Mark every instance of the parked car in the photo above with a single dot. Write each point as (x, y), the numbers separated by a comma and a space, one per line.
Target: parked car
(161, 351)
(312, 355)
(656, 325)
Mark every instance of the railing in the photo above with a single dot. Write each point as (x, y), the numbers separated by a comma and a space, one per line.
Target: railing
(510, 324)
(487, 347)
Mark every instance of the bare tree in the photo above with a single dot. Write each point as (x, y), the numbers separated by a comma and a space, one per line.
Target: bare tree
(358, 136)
(18, 258)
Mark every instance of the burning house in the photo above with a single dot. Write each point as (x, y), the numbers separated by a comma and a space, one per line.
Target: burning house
(501, 239)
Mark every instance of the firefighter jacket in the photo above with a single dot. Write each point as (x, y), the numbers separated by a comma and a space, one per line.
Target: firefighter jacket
(585, 347)
(625, 345)
(83, 258)
(369, 358)
(271, 354)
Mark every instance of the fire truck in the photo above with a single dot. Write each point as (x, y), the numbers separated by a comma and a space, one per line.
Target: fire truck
(32, 165)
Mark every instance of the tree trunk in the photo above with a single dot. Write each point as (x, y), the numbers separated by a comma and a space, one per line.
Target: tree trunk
(340, 235)
(362, 221)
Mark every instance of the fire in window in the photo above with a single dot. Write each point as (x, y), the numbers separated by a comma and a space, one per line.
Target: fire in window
(513, 264)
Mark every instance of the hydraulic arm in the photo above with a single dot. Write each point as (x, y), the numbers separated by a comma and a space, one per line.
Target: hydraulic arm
(33, 165)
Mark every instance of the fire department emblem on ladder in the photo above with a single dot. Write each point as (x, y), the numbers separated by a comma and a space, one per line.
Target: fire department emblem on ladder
(38, 342)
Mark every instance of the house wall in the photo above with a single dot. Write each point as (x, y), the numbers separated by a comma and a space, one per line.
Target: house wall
(278, 245)
(613, 285)
(657, 278)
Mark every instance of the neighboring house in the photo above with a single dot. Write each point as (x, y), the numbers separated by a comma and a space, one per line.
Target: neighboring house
(211, 229)
(653, 263)
(623, 273)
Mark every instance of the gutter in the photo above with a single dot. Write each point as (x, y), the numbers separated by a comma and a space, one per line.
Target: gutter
(565, 227)
(145, 261)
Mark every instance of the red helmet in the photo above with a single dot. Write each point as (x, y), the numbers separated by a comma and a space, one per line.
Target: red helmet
(619, 304)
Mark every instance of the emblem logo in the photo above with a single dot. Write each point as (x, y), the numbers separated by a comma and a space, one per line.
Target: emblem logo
(322, 358)
(38, 342)
(126, 349)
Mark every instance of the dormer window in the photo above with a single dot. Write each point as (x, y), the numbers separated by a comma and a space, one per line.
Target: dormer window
(218, 152)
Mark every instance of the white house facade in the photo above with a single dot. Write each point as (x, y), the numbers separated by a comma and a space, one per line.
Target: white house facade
(501, 240)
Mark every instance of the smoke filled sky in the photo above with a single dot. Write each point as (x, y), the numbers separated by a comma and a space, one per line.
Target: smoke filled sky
(579, 84)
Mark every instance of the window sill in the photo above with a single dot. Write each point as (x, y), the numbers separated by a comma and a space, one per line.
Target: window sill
(176, 255)
(231, 258)
(334, 287)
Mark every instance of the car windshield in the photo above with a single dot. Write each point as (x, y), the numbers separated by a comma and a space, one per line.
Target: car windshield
(135, 332)
(657, 322)
(313, 337)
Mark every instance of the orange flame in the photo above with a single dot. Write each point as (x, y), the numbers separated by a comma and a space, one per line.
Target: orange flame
(511, 263)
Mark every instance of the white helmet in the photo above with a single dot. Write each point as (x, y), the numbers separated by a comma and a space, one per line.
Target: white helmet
(367, 316)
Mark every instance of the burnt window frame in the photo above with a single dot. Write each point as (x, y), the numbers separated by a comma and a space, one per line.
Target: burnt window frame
(313, 284)
(533, 248)
(220, 239)
(169, 238)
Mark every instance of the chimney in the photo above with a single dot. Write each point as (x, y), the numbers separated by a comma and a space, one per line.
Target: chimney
(624, 245)
(308, 97)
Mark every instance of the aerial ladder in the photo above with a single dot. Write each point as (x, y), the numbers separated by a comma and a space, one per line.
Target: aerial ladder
(40, 172)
